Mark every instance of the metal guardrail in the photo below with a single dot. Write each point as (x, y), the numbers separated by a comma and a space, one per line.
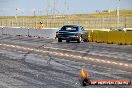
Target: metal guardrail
(45, 33)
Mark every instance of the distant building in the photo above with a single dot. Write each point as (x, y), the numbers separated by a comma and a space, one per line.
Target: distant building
(106, 11)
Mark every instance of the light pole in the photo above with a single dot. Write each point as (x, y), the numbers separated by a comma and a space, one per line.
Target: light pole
(47, 12)
(34, 14)
(118, 13)
(66, 4)
(16, 15)
(17, 9)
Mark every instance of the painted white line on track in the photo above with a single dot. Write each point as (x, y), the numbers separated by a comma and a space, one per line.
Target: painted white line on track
(91, 59)
(67, 55)
(61, 54)
(40, 51)
(126, 65)
(120, 63)
(85, 58)
(18, 47)
(103, 61)
(114, 63)
(43, 51)
(108, 62)
(97, 60)
(12, 46)
(71, 55)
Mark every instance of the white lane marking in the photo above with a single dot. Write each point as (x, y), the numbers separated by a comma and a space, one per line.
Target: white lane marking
(40, 51)
(126, 65)
(61, 54)
(120, 63)
(37, 50)
(71, 55)
(103, 61)
(23, 48)
(80, 57)
(12, 45)
(108, 62)
(18, 47)
(67, 55)
(85, 58)
(114, 63)
(43, 51)
(97, 60)
(91, 59)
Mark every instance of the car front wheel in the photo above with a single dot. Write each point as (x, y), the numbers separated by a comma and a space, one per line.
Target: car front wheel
(59, 40)
(67, 41)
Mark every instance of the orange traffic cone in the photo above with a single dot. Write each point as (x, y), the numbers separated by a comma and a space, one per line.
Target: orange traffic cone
(84, 74)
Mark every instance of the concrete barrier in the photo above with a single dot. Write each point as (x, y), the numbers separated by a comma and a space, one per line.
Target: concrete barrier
(21, 31)
(5, 31)
(10, 31)
(1, 30)
(45, 33)
(32, 32)
(129, 37)
(95, 34)
(113, 36)
(102, 36)
(90, 35)
(117, 37)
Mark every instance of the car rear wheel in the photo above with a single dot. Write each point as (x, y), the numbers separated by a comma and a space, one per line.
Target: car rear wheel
(59, 40)
(85, 40)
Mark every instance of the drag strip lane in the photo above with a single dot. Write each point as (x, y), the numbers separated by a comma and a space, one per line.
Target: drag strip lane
(73, 55)
(54, 71)
(35, 72)
(100, 49)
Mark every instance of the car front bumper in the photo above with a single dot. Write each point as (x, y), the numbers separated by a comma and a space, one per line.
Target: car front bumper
(68, 38)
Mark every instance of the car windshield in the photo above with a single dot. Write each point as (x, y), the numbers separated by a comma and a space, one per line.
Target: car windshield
(69, 28)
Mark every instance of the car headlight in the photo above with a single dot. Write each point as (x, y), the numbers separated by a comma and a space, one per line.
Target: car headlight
(57, 33)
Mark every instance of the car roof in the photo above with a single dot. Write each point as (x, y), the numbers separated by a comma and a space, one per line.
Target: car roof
(75, 25)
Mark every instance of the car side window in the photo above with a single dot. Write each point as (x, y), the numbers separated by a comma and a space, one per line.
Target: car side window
(82, 28)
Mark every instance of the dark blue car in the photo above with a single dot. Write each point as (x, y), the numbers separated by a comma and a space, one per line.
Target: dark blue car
(72, 33)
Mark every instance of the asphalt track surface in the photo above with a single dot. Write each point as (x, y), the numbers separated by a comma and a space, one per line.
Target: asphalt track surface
(25, 69)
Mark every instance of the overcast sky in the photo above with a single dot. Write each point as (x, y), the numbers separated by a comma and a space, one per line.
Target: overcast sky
(27, 7)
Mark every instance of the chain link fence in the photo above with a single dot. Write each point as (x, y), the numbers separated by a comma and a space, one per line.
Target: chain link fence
(58, 21)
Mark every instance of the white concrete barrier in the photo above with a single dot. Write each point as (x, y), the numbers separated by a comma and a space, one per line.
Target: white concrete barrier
(0, 30)
(5, 31)
(21, 31)
(9, 31)
(45, 33)
(32, 32)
